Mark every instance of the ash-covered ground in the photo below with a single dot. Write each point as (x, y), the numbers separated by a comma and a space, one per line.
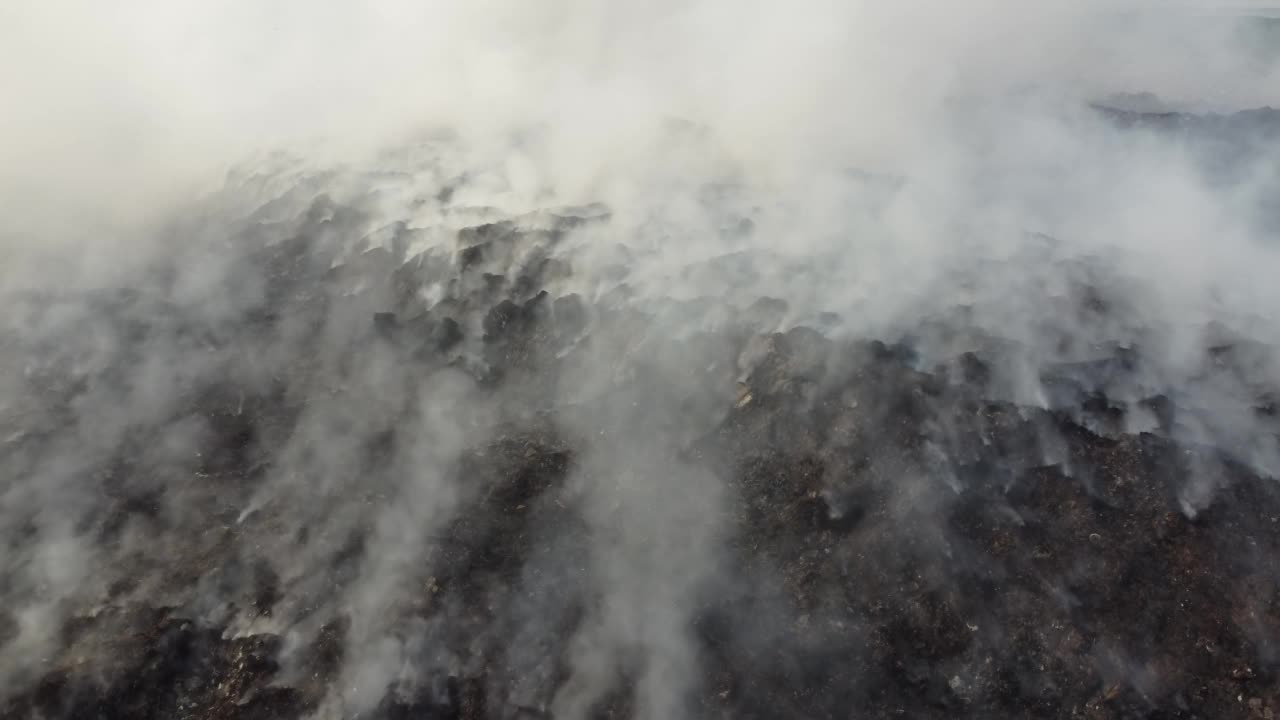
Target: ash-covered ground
(313, 463)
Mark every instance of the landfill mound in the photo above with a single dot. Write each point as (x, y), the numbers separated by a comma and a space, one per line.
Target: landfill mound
(405, 449)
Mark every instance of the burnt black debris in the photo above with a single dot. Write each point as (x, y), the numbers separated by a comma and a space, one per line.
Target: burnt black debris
(903, 538)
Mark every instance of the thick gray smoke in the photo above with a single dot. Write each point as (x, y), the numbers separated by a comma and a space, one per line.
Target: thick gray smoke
(883, 169)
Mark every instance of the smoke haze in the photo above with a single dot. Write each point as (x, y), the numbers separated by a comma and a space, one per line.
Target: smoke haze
(210, 211)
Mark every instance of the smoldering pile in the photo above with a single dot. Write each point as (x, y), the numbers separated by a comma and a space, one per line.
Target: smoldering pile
(426, 477)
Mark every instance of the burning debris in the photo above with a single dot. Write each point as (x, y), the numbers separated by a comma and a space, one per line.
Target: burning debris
(854, 362)
(891, 538)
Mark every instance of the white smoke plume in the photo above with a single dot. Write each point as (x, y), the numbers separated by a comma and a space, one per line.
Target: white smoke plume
(884, 163)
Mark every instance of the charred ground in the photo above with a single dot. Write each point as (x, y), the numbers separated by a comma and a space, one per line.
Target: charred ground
(900, 538)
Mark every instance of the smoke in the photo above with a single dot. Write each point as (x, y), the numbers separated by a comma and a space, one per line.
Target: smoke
(127, 108)
(874, 166)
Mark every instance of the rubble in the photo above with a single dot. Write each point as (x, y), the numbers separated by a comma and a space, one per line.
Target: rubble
(902, 541)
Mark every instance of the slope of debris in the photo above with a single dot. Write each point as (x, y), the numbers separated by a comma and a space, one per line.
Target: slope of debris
(897, 536)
